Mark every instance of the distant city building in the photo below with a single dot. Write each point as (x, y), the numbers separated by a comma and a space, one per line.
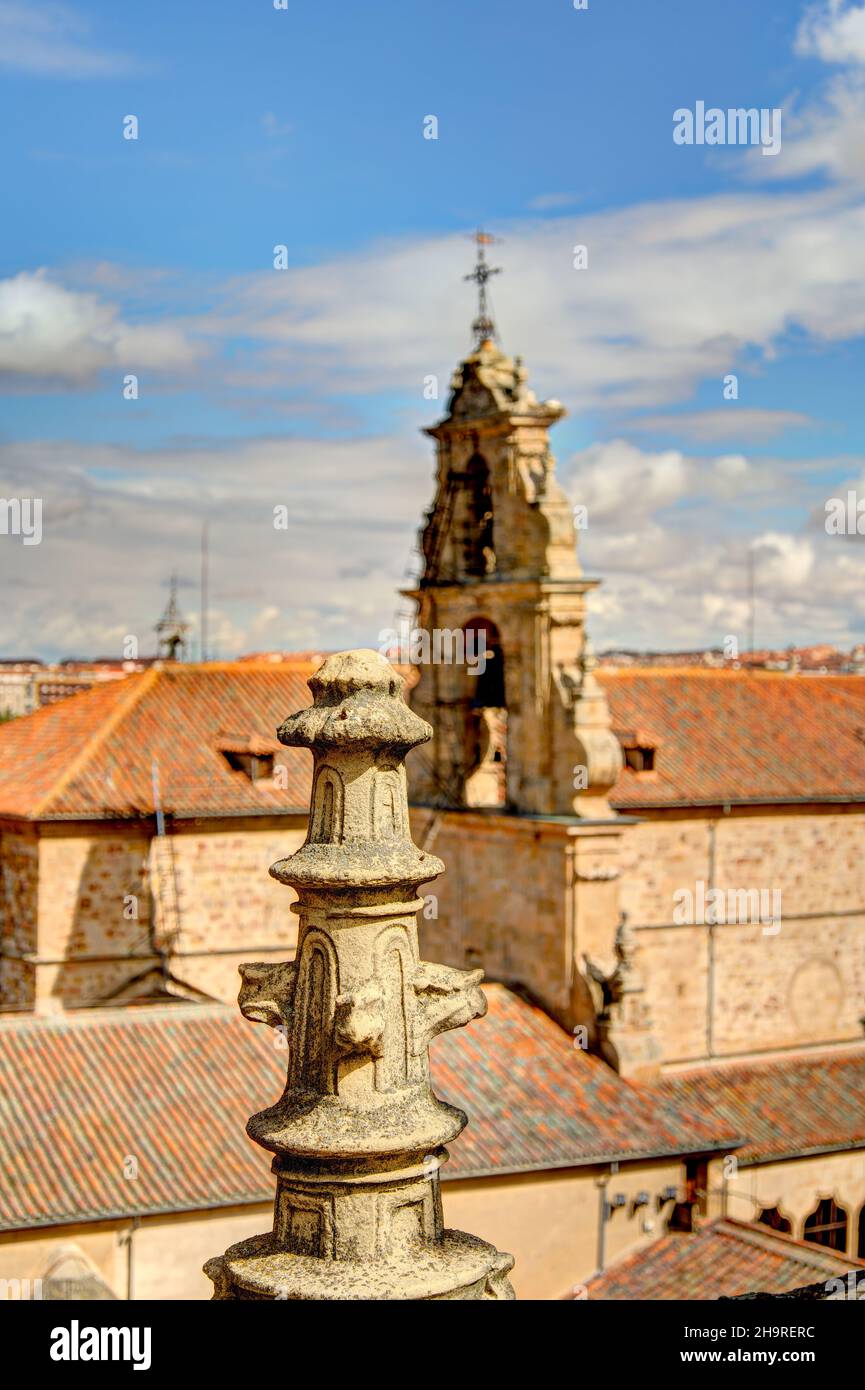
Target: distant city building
(27, 685)
(821, 659)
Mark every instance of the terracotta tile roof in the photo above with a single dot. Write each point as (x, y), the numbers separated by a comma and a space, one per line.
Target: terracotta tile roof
(173, 1086)
(796, 1105)
(720, 736)
(734, 736)
(82, 1094)
(536, 1101)
(91, 756)
(723, 1259)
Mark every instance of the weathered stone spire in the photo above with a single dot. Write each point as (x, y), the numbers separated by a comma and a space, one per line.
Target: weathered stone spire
(358, 1135)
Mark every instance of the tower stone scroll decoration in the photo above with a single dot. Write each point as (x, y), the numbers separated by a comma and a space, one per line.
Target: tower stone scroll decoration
(358, 1136)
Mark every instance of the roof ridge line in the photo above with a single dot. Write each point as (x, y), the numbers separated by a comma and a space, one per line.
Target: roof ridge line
(843, 1049)
(96, 739)
(85, 1016)
(808, 1250)
(725, 672)
(196, 667)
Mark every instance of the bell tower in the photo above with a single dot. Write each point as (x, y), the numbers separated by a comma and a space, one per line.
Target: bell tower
(514, 787)
(519, 721)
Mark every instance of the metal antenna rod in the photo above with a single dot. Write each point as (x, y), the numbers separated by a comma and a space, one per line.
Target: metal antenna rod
(204, 595)
(751, 599)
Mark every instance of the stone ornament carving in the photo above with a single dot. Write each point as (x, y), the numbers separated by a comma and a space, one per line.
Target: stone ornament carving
(624, 1021)
(489, 381)
(596, 747)
(358, 1135)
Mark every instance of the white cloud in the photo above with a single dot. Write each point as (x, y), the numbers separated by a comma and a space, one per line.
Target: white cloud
(52, 40)
(118, 521)
(664, 535)
(784, 562)
(833, 30)
(622, 486)
(748, 424)
(676, 293)
(827, 136)
(617, 478)
(48, 331)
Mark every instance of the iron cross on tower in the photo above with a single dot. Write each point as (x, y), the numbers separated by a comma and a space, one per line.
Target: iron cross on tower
(483, 326)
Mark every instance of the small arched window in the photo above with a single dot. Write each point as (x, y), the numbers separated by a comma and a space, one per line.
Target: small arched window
(771, 1216)
(478, 538)
(827, 1225)
(484, 654)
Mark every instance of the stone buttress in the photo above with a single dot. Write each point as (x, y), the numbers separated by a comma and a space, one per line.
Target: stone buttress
(358, 1135)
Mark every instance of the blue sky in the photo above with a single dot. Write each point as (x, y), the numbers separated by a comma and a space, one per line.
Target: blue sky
(303, 387)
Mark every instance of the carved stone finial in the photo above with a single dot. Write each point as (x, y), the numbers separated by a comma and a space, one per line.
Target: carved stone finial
(588, 660)
(358, 1134)
(597, 749)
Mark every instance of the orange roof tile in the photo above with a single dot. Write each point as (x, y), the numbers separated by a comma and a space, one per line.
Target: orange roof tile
(720, 736)
(174, 1086)
(723, 1259)
(739, 736)
(784, 1106)
(92, 756)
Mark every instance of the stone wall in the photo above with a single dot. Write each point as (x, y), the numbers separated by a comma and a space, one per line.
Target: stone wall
(29, 1255)
(500, 902)
(19, 908)
(80, 897)
(523, 898)
(529, 899)
(550, 1220)
(228, 901)
(743, 987)
(87, 873)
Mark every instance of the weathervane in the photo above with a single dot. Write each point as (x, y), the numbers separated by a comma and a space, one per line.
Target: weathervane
(171, 630)
(483, 326)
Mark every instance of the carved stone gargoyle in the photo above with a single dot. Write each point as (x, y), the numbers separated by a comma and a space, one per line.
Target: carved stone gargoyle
(267, 992)
(624, 1020)
(448, 998)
